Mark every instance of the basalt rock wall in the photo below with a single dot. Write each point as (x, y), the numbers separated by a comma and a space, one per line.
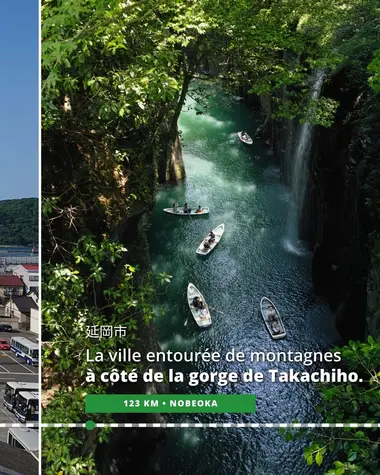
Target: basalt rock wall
(128, 448)
(337, 220)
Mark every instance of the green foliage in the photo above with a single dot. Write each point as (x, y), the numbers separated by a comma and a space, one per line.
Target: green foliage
(358, 39)
(374, 68)
(112, 84)
(273, 47)
(356, 450)
(19, 222)
(72, 304)
(114, 78)
(318, 112)
(65, 450)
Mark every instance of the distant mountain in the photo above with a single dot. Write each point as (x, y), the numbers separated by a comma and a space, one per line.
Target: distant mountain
(19, 222)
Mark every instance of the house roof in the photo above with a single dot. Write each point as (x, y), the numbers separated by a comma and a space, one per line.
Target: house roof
(14, 461)
(35, 291)
(10, 281)
(24, 304)
(31, 267)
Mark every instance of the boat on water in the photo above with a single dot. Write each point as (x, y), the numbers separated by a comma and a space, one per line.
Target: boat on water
(272, 319)
(245, 138)
(205, 246)
(194, 211)
(201, 315)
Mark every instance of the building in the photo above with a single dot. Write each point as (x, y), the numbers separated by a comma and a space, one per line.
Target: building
(29, 273)
(35, 295)
(11, 286)
(34, 321)
(20, 309)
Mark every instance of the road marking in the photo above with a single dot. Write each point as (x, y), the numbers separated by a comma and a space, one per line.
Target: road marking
(8, 414)
(1, 366)
(21, 364)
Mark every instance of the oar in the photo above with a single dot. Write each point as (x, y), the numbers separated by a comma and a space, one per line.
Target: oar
(189, 213)
(212, 308)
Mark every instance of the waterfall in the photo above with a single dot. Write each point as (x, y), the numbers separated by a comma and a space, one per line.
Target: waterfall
(299, 166)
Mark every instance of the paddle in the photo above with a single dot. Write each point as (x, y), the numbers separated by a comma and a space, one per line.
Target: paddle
(212, 308)
(189, 213)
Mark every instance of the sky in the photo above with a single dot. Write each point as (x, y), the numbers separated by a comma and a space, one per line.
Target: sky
(19, 98)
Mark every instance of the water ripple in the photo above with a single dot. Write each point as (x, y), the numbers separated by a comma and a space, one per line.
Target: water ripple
(253, 259)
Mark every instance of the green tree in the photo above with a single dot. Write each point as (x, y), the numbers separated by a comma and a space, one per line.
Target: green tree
(19, 222)
(374, 69)
(70, 309)
(111, 85)
(114, 79)
(355, 450)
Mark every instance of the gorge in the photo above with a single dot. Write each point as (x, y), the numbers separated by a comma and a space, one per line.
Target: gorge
(300, 208)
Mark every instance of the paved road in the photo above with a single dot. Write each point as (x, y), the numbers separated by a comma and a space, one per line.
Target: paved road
(8, 335)
(13, 369)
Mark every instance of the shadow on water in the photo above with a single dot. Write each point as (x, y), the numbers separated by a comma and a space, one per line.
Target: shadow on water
(252, 260)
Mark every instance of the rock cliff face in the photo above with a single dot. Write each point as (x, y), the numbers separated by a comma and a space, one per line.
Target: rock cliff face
(128, 448)
(175, 167)
(336, 222)
(334, 216)
(340, 214)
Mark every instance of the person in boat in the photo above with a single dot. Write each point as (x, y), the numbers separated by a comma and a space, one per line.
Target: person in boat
(186, 209)
(206, 244)
(273, 321)
(175, 206)
(271, 315)
(197, 303)
(244, 134)
(276, 328)
(211, 236)
(199, 209)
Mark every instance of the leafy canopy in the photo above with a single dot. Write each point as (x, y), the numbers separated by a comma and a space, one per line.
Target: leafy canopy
(355, 450)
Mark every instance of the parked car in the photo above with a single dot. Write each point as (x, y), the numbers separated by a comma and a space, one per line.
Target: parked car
(4, 327)
(4, 345)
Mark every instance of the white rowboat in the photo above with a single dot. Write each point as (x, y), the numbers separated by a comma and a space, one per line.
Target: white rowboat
(218, 231)
(246, 139)
(179, 211)
(275, 328)
(202, 317)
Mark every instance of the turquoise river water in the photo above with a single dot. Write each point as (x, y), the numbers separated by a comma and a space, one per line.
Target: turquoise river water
(241, 186)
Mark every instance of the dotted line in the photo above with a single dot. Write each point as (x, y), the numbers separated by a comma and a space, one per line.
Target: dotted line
(90, 425)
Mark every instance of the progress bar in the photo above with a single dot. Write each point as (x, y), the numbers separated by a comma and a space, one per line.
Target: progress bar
(92, 425)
